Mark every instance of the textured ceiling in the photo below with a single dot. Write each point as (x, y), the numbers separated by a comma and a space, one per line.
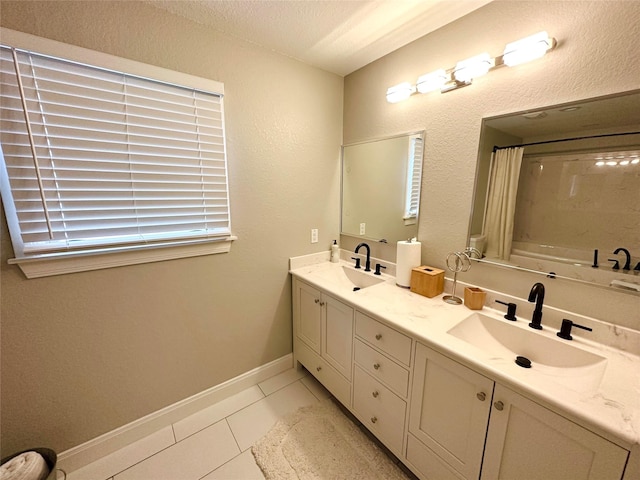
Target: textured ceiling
(339, 36)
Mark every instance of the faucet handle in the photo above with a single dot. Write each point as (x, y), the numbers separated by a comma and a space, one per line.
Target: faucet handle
(511, 310)
(616, 265)
(565, 329)
(378, 267)
(357, 259)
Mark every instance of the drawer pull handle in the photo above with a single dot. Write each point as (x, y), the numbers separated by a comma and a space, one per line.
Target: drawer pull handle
(375, 394)
(318, 369)
(378, 336)
(317, 300)
(499, 405)
(374, 419)
(322, 304)
(376, 366)
(481, 396)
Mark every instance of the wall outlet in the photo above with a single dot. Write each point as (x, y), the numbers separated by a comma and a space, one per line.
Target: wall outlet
(314, 235)
(362, 228)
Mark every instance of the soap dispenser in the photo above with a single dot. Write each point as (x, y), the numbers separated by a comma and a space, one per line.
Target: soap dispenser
(335, 252)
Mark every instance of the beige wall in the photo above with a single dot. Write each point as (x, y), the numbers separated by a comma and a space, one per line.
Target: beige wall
(85, 353)
(596, 55)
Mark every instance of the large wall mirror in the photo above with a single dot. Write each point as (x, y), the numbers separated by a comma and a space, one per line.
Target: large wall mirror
(381, 188)
(558, 190)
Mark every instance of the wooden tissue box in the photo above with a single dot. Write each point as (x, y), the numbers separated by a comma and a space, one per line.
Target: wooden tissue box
(474, 298)
(427, 281)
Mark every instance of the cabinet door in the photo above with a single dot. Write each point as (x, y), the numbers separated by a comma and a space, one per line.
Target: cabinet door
(529, 442)
(449, 412)
(337, 335)
(308, 315)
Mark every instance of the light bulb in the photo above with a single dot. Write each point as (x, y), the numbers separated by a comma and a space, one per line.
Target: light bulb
(432, 81)
(527, 49)
(473, 67)
(400, 92)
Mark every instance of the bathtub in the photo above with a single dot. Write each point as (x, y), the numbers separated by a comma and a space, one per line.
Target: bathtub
(568, 256)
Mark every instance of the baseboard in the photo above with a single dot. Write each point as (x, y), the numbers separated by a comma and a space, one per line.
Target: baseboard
(88, 452)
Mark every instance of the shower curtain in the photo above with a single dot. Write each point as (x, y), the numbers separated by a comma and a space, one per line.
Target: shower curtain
(501, 201)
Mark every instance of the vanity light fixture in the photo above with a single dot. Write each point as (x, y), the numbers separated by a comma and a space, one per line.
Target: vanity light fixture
(619, 160)
(515, 53)
(400, 92)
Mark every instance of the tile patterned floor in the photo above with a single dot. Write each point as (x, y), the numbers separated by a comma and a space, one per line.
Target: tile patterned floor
(215, 443)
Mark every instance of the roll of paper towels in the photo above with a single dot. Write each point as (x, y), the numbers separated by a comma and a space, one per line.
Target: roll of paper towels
(408, 256)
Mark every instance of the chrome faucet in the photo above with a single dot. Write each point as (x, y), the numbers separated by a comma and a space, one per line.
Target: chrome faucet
(537, 295)
(367, 265)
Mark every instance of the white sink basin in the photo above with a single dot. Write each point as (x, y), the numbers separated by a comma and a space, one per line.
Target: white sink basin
(558, 359)
(359, 278)
(500, 338)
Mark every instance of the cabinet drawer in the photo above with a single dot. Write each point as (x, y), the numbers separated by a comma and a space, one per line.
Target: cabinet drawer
(382, 368)
(381, 410)
(393, 343)
(430, 466)
(325, 373)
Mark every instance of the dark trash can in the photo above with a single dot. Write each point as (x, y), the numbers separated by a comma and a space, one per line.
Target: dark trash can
(49, 456)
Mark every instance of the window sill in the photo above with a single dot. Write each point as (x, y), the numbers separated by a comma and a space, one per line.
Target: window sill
(62, 263)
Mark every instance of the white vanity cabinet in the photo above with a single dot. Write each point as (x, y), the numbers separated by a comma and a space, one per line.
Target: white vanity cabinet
(453, 409)
(381, 380)
(526, 440)
(450, 407)
(443, 419)
(323, 338)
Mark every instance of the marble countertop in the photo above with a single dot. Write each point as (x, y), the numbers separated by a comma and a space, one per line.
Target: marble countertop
(610, 407)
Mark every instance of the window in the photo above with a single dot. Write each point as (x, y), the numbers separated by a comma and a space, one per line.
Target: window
(414, 180)
(96, 161)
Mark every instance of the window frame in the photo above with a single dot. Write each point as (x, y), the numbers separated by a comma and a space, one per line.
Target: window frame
(46, 264)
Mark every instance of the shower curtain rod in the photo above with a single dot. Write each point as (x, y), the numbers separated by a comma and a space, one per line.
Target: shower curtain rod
(495, 147)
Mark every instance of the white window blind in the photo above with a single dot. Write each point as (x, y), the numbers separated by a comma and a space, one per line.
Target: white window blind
(414, 178)
(99, 159)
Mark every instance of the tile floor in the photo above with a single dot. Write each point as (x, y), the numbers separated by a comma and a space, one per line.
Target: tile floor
(215, 443)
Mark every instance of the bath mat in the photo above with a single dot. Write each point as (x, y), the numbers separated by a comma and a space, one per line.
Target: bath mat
(320, 442)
